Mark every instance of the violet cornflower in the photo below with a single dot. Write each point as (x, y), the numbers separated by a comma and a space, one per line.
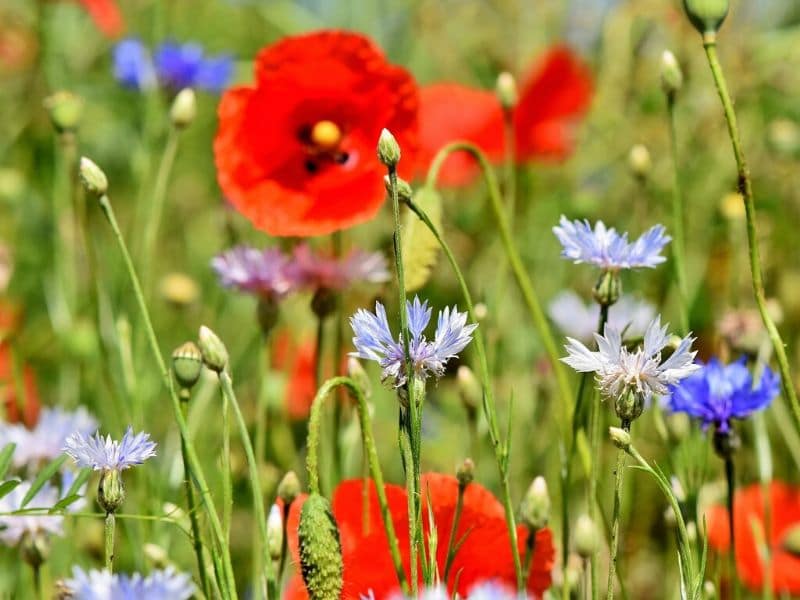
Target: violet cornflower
(718, 393)
(314, 271)
(133, 65)
(187, 65)
(374, 341)
(260, 272)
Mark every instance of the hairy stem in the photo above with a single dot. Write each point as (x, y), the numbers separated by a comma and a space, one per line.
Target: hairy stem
(678, 245)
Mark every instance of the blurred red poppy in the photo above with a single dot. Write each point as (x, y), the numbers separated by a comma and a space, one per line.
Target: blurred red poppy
(298, 361)
(553, 97)
(485, 555)
(105, 15)
(295, 153)
(27, 410)
(749, 519)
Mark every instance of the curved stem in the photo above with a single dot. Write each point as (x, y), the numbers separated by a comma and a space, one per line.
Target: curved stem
(314, 422)
(678, 246)
(746, 190)
(228, 584)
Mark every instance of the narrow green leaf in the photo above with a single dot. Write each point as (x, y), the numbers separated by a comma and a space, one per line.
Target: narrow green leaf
(65, 502)
(81, 478)
(5, 458)
(42, 478)
(8, 486)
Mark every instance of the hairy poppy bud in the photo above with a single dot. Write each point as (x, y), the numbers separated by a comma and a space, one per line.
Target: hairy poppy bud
(184, 108)
(404, 190)
(388, 149)
(187, 364)
(671, 74)
(706, 15)
(275, 532)
(110, 491)
(620, 437)
(535, 508)
(506, 90)
(289, 488)
(320, 550)
(92, 177)
(465, 473)
(586, 536)
(215, 355)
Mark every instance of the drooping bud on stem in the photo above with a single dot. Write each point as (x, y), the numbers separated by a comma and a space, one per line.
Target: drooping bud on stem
(535, 510)
(357, 373)
(187, 364)
(404, 190)
(65, 109)
(388, 149)
(320, 550)
(215, 355)
(470, 390)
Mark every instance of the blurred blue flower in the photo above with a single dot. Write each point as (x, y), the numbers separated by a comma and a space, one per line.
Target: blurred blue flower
(608, 249)
(105, 454)
(14, 527)
(579, 320)
(186, 65)
(373, 340)
(640, 371)
(166, 584)
(718, 393)
(133, 66)
(261, 272)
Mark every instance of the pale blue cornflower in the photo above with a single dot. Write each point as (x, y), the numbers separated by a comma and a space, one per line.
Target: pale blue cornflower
(133, 65)
(607, 249)
(640, 371)
(260, 272)
(105, 454)
(579, 320)
(494, 590)
(374, 341)
(162, 584)
(46, 440)
(14, 527)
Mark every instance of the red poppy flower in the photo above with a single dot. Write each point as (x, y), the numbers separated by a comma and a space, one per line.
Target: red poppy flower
(749, 513)
(298, 361)
(485, 555)
(295, 153)
(554, 95)
(16, 411)
(105, 15)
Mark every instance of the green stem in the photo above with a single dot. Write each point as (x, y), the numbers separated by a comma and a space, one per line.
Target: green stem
(452, 547)
(227, 484)
(408, 459)
(109, 537)
(530, 548)
(489, 408)
(261, 443)
(618, 477)
(37, 580)
(228, 583)
(197, 542)
(746, 189)
(678, 245)
(730, 480)
(312, 467)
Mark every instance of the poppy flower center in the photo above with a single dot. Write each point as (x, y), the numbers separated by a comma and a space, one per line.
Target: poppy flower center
(326, 135)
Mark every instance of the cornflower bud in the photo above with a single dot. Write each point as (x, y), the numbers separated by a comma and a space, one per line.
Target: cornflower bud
(215, 355)
(671, 74)
(506, 90)
(608, 288)
(183, 109)
(187, 364)
(628, 405)
(320, 550)
(586, 536)
(92, 177)
(110, 491)
(289, 488)
(706, 15)
(388, 149)
(465, 473)
(535, 509)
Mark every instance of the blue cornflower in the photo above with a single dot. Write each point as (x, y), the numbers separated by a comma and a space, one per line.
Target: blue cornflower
(374, 341)
(186, 65)
(133, 65)
(165, 584)
(579, 320)
(109, 455)
(718, 393)
(608, 249)
(13, 528)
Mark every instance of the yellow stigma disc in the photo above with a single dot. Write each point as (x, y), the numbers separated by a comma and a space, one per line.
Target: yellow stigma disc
(326, 135)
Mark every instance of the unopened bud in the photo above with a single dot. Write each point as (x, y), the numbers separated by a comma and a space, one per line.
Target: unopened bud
(275, 532)
(92, 176)
(388, 149)
(157, 555)
(586, 536)
(179, 289)
(706, 15)
(187, 364)
(470, 389)
(357, 373)
(404, 189)
(65, 109)
(215, 355)
(465, 473)
(629, 405)
(620, 437)
(184, 108)
(110, 491)
(289, 488)
(608, 288)
(535, 509)
(481, 311)
(671, 74)
(320, 549)
(639, 161)
(506, 90)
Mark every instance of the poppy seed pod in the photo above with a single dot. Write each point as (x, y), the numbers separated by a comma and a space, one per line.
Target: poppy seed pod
(321, 560)
(187, 364)
(706, 15)
(65, 109)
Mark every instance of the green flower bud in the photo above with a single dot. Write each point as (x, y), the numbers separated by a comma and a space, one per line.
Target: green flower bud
(620, 437)
(215, 355)
(640, 162)
(608, 288)
(289, 488)
(404, 190)
(275, 532)
(65, 109)
(506, 90)
(320, 550)
(465, 473)
(183, 109)
(187, 364)
(671, 74)
(587, 539)
(357, 373)
(110, 491)
(388, 149)
(93, 178)
(629, 405)
(706, 15)
(535, 509)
